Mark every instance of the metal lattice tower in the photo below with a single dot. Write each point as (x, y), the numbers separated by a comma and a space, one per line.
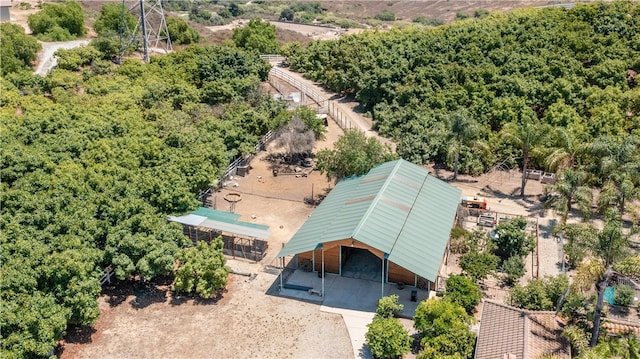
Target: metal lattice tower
(150, 31)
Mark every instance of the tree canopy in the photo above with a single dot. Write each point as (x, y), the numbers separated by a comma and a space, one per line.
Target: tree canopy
(18, 50)
(529, 69)
(58, 22)
(353, 154)
(258, 36)
(95, 156)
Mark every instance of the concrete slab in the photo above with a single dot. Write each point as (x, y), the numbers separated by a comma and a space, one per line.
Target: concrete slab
(355, 299)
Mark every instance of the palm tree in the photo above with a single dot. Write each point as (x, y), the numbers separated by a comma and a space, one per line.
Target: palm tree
(609, 250)
(619, 166)
(566, 150)
(463, 130)
(569, 188)
(526, 135)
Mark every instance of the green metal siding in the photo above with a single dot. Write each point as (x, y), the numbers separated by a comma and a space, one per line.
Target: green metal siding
(397, 208)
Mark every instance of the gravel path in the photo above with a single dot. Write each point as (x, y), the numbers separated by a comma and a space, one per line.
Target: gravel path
(47, 60)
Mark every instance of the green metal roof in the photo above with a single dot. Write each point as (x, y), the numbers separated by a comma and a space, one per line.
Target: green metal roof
(216, 215)
(397, 208)
(226, 217)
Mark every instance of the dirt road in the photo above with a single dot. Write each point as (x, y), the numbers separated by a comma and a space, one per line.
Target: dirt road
(46, 58)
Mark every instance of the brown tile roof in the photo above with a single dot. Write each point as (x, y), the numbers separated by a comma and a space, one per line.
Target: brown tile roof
(619, 327)
(524, 334)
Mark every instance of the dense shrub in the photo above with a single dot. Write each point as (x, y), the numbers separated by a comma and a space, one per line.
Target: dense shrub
(58, 22)
(463, 291)
(18, 50)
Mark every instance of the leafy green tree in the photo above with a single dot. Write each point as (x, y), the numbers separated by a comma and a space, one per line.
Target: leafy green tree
(18, 50)
(513, 268)
(77, 58)
(569, 187)
(257, 35)
(353, 154)
(511, 239)
(58, 22)
(202, 269)
(388, 306)
(180, 32)
(387, 338)
(478, 265)
(32, 324)
(444, 327)
(112, 21)
(461, 290)
(540, 293)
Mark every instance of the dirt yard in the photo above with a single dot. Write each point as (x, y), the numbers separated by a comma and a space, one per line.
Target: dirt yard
(246, 322)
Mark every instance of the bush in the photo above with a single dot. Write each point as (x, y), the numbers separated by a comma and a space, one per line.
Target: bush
(428, 21)
(202, 269)
(18, 50)
(57, 22)
(463, 291)
(478, 265)
(513, 268)
(511, 239)
(480, 13)
(387, 338)
(385, 15)
(388, 307)
(461, 16)
(180, 32)
(445, 329)
(287, 14)
(624, 295)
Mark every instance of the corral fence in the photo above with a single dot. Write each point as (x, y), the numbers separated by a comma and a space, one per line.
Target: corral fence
(325, 106)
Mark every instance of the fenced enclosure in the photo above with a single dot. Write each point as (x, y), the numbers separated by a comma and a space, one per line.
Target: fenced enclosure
(235, 246)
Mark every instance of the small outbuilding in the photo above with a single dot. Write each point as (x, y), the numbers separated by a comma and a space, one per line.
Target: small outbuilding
(5, 10)
(390, 225)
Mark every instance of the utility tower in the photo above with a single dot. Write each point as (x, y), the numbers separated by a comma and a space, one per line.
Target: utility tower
(150, 30)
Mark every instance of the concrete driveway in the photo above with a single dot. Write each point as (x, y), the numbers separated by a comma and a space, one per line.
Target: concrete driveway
(355, 299)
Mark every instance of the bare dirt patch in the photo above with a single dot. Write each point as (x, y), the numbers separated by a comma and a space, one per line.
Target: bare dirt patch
(409, 10)
(245, 322)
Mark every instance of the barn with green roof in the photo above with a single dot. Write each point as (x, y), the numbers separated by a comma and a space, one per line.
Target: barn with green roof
(397, 217)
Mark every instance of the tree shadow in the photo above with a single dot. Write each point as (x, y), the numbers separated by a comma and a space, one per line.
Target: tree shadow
(548, 228)
(79, 334)
(182, 298)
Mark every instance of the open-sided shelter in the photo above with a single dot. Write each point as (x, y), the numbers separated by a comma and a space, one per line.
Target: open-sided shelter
(397, 212)
(244, 239)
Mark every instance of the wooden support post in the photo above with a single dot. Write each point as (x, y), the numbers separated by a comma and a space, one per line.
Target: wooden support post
(323, 272)
(382, 277)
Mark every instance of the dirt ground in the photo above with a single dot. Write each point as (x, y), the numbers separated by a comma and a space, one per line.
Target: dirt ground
(246, 322)
(142, 322)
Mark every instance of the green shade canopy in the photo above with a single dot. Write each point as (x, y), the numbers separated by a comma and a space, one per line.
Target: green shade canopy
(397, 208)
